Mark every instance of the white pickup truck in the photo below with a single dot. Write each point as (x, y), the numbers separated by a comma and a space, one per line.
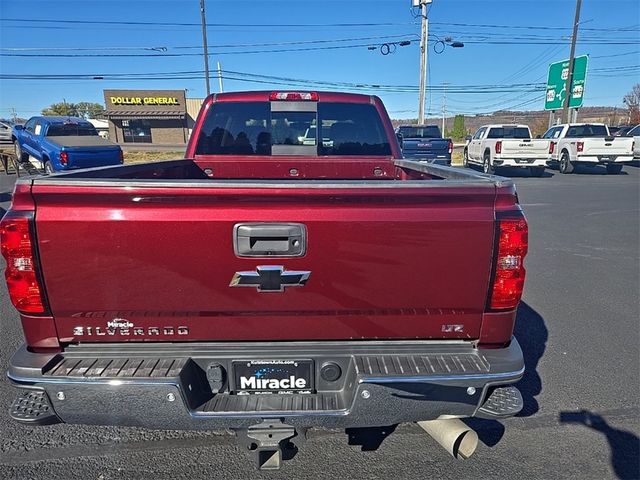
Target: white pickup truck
(635, 134)
(589, 144)
(495, 146)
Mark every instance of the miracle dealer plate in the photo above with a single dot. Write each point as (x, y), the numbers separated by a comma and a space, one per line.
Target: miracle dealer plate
(273, 376)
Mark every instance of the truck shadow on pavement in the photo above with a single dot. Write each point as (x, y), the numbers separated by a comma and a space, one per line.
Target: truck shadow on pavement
(532, 334)
(369, 439)
(624, 445)
(517, 172)
(593, 170)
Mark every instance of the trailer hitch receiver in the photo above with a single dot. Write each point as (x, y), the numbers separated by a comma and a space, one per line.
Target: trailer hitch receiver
(267, 441)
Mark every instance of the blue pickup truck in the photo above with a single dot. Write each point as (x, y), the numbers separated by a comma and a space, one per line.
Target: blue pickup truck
(63, 143)
(424, 143)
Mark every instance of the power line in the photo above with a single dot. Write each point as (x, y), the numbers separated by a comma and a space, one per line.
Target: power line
(168, 55)
(630, 28)
(190, 24)
(161, 49)
(259, 78)
(634, 52)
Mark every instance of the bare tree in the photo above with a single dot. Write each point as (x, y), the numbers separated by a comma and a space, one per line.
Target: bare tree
(632, 101)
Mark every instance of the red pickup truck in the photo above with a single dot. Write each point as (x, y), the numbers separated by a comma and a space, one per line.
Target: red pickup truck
(270, 282)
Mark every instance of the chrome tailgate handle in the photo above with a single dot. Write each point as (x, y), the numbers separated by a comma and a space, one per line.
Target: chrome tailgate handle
(269, 239)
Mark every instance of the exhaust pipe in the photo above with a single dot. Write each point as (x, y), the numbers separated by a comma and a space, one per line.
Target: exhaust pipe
(456, 437)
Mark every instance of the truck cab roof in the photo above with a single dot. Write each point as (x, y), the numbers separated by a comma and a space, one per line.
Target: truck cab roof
(420, 125)
(60, 119)
(265, 96)
(503, 125)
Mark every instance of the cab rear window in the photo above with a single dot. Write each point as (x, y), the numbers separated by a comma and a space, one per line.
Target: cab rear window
(509, 132)
(580, 131)
(252, 128)
(70, 129)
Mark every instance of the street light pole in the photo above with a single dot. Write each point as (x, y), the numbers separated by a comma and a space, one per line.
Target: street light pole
(204, 45)
(424, 49)
(567, 86)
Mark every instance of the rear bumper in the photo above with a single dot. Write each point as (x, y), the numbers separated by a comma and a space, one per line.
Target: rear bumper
(166, 386)
(444, 158)
(603, 158)
(520, 162)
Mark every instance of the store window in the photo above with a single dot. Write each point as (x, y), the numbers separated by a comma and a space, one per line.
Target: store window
(136, 131)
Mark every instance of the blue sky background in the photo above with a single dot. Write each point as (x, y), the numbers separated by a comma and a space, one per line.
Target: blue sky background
(524, 37)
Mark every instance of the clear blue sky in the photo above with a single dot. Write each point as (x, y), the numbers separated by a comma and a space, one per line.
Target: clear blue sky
(516, 51)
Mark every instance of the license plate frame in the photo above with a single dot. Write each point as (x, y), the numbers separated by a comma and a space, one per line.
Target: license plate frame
(261, 376)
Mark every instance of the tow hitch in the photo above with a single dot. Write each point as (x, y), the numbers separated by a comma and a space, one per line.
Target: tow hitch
(271, 442)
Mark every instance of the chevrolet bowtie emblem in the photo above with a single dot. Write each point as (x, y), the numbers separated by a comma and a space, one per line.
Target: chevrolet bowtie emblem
(270, 279)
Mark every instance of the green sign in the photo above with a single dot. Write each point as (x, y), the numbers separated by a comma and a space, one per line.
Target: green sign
(557, 81)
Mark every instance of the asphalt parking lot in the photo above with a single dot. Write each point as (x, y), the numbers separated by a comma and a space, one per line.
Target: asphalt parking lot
(578, 326)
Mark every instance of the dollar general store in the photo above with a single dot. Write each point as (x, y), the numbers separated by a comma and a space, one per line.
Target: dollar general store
(158, 117)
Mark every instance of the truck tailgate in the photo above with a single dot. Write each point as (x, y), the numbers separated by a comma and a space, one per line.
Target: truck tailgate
(525, 148)
(144, 262)
(607, 146)
(427, 146)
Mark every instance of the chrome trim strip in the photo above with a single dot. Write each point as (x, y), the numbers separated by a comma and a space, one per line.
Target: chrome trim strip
(90, 381)
(368, 379)
(431, 378)
(274, 413)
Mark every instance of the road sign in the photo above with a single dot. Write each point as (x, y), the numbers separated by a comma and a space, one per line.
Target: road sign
(557, 80)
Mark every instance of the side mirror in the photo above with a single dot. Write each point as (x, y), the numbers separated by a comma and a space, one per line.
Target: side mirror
(538, 136)
(467, 138)
(399, 137)
(18, 127)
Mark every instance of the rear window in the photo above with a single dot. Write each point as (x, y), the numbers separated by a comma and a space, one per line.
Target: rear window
(580, 131)
(251, 128)
(430, 131)
(509, 132)
(70, 129)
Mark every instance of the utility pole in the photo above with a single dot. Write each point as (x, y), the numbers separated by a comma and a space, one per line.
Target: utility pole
(444, 106)
(567, 88)
(14, 114)
(424, 49)
(204, 45)
(220, 77)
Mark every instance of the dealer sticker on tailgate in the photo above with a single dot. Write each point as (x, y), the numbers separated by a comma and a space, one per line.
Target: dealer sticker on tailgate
(273, 376)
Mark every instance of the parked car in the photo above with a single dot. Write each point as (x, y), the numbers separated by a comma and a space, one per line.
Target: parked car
(494, 146)
(588, 144)
(63, 143)
(424, 143)
(290, 286)
(5, 131)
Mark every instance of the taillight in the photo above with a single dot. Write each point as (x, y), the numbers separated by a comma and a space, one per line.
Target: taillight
(64, 158)
(580, 146)
(509, 272)
(450, 149)
(18, 250)
(294, 96)
(498, 146)
(121, 156)
(552, 147)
